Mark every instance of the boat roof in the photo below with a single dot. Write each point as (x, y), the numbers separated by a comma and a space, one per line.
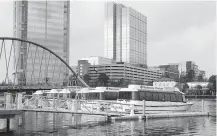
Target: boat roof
(164, 90)
(99, 89)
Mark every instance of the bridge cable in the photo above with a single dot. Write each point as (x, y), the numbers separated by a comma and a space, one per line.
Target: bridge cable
(27, 57)
(40, 65)
(54, 69)
(34, 64)
(60, 70)
(47, 67)
(1, 48)
(17, 60)
(9, 62)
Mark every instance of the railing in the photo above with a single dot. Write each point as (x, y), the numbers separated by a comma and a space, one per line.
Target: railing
(56, 104)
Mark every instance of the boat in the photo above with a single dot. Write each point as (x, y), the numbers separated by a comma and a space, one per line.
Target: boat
(98, 93)
(97, 99)
(156, 99)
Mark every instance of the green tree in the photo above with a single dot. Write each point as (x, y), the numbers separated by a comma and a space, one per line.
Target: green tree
(72, 80)
(46, 80)
(191, 76)
(86, 78)
(200, 78)
(199, 89)
(122, 83)
(150, 83)
(139, 82)
(182, 87)
(103, 79)
(212, 84)
(183, 79)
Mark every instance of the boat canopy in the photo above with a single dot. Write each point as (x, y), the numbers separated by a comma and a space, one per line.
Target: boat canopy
(128, 90)
(38, 92)
(53, 91)
(65, 91)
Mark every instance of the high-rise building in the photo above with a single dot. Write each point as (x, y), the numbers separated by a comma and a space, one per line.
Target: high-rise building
(45, 23)
(125, 34)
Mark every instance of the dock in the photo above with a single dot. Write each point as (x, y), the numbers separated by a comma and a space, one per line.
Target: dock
(8, 114)
(160, 115)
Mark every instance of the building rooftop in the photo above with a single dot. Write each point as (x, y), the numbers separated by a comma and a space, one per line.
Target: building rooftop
(164, 79)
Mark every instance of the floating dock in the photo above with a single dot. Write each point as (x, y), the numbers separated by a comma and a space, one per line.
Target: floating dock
(8, 114)
(164, 115)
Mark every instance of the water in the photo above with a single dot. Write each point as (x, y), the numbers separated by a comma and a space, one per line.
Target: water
(49, 124)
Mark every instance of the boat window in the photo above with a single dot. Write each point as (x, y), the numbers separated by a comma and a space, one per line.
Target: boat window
(135, 95)
(84, 96)
(161, 96)
(155, 96)
(125, 95)
(148, 96)
(179, 97)
(110, 95)
(173, 98)
(94, 96)
(141, 95)
(167, 97)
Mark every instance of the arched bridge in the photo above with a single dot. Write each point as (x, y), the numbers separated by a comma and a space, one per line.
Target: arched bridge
(27, 65)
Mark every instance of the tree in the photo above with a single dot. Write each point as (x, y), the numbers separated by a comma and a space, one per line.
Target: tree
(183, 79)
(150, 83)
(72, 80)
(212, 84)
(182, 86)
(86, 78)
(191, 76)
(122, 82)
(199, 87)
(200, 78)
(103, 79)
(46, 80)
(139, 82)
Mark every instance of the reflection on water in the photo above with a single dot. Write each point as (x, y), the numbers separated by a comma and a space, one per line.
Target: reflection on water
(50, 124)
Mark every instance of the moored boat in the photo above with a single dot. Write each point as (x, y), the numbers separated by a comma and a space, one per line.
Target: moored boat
(157, 99)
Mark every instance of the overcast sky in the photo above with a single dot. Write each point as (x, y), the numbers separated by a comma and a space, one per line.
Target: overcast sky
(177, 31)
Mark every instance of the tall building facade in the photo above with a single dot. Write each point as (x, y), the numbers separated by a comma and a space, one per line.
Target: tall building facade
(45, 23)
(125, 34)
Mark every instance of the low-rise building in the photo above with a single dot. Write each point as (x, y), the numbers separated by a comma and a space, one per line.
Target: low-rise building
(190, 65)
(115, 72)
(97, 60)
(83, 67)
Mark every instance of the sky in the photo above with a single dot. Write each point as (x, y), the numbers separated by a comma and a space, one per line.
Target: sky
(177, 31)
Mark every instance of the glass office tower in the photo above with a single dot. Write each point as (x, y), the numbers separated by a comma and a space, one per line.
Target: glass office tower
(125, 34)
(45, 23)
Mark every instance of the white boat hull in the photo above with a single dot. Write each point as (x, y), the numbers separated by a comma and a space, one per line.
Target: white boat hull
(152, 107)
